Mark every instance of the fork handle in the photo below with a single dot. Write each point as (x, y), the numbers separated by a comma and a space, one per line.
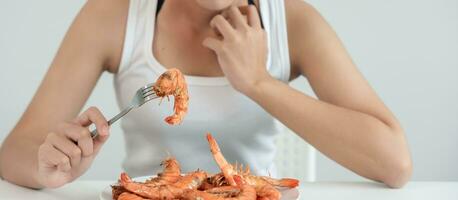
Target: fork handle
(94, 132)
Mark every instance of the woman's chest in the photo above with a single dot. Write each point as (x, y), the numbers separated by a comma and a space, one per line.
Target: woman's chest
(186, 53)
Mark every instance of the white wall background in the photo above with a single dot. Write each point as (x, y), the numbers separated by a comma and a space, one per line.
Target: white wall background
(408, 50)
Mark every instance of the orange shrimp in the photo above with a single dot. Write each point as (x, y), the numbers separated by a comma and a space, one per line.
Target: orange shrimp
(264, 190)
(224, 191)
(264, 186)
(172, 82)
(267, 192)
(206, 185)
(129, 196)
(171, 173)
(247, 192)
(264, 180)
(190, 181)
(217, 180)
(226, 168)
(117, 190)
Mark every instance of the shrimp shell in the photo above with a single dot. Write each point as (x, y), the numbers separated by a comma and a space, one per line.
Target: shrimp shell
(172, 82)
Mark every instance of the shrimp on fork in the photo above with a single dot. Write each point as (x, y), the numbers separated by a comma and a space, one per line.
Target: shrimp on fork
(172, 82)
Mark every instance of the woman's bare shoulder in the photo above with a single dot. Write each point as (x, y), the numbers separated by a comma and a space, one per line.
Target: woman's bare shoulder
(303, 21)
(103, 22)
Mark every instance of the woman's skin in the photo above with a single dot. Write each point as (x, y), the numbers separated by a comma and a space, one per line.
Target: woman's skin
(348, 122)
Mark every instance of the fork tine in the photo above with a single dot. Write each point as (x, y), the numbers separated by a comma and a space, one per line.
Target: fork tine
(148, 86)
(150, 97)
(147, 89)
(148, 93)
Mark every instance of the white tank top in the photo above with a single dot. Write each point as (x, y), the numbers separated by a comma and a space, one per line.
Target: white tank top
(245, 131)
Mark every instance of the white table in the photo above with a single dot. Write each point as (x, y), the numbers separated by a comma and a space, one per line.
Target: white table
(309, 191)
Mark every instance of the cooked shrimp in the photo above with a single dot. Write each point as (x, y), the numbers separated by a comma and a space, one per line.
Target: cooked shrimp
(229, 171)
(246, 193)
(264, 180)
(239, 192)
(129, 196)
(206, 185)
(264, 190)
(226, 168)
(218, 180)
(172, 82)
(224, 191)
(284, 182)
(117, 190)
(264, 186)
(199, 195)
(267, 192)
(160, 192)
(190, 181)
(171, 173)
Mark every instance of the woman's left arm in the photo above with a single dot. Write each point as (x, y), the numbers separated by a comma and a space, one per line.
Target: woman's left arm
(348, 123)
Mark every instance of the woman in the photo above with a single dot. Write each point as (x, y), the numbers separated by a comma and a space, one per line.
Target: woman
(237, 65)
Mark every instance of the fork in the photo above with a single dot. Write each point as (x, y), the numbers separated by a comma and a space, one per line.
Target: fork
(143, 95)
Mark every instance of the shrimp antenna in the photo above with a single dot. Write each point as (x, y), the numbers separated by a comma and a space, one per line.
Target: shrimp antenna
(160, 101)
(168, 153)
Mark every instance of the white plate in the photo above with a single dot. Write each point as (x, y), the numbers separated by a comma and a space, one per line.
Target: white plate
(286, 194)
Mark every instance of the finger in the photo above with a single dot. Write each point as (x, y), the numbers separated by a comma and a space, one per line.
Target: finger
(80, 135)
(52, 157)
(67, 147)
(64, 165)
(223, 26)
(213, 44)
(98, 142)
(93, 115)
(238, 19)
(252, 14)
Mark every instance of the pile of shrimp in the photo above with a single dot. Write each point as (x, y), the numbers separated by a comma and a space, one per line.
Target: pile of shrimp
(232, 183)
(172, 82)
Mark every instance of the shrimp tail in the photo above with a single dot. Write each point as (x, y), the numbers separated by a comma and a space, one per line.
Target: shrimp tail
(289, 182)
(124, 178)
(284, 182)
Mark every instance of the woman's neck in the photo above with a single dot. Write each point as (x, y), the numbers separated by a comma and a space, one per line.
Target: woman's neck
(188, 12)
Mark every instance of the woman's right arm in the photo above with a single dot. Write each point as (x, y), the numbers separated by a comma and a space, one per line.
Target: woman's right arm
(51, 145)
